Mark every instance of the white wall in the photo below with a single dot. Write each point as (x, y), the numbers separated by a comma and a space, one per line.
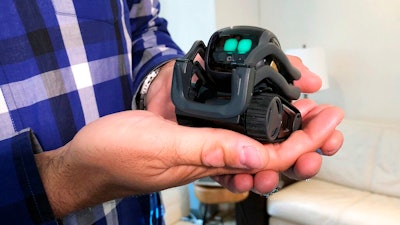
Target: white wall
(189, 20)
(361, 39)
(236, 12)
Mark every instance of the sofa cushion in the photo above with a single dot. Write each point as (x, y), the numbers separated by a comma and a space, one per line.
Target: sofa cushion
(368, 159)
(386, 176)
(320, 202)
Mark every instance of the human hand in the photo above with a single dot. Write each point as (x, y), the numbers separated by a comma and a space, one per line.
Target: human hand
(318, 132)
(307, 164)
(317, 119)
(136, 152)
(309, 83)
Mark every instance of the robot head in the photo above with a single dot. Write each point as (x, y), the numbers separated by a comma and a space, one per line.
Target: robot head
(231, 47)
(246, 85)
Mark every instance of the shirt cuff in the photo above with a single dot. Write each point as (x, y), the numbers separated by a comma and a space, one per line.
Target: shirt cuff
(23, 199)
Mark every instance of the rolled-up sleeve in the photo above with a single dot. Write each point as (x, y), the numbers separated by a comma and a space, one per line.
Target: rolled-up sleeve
(152, 44)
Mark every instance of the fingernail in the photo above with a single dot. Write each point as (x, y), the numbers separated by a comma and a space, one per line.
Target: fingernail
(250, 157)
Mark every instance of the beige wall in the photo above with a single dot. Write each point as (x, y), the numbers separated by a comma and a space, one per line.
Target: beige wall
(361, 39)
(236, 12)
(189, 20)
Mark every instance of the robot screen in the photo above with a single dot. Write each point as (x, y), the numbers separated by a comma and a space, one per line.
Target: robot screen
(229, 51)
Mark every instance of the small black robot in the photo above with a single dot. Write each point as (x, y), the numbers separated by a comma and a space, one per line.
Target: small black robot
(246, 85)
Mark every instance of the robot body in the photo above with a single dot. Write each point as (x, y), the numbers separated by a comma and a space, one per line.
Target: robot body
(246, 85)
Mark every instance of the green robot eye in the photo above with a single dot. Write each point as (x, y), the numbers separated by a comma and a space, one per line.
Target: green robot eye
(230, 45)
(244, 46)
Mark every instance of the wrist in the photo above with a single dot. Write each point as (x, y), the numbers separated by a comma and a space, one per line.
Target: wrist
(142, 93)
(158, 99)
(49, 165)
(141, 99)
(69, 184)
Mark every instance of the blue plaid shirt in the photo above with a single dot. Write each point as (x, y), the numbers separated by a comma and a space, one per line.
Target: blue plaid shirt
(63, 64)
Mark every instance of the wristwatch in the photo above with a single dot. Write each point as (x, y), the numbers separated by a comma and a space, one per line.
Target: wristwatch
(141, 97)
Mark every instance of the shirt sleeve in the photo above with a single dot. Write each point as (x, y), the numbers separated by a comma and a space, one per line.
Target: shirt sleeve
(152, 44)
(22, 196)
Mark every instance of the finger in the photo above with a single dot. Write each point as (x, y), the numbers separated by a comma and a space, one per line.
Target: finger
(332, 144)
(237, 183)
(309, 109)
(309, 164)
(265, 181)
(305, 167)
(215, 148)
(201, 149)
(309, 81)
(305, 106)
(310, 138)
(262, 182)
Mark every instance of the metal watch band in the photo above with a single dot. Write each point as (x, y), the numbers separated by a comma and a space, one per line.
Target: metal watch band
(145, 87)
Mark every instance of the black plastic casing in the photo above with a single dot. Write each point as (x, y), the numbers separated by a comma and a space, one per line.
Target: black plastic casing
(237, 77)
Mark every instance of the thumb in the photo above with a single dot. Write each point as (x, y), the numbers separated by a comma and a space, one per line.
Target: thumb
(218, 148)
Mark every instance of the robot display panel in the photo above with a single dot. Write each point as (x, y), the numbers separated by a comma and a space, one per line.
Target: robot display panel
(228, 51)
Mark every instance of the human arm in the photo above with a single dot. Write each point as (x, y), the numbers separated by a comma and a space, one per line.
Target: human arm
(138, 152)
(54, 130)
(110, 149)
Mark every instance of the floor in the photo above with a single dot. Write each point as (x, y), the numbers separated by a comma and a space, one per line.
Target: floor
(225, 222)
(224, 216)
(249, 212)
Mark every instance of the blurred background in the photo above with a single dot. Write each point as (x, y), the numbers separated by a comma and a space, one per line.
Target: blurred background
(360, 40)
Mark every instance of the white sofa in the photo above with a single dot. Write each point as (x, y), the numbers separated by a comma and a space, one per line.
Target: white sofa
(176, 203)
(360, 185)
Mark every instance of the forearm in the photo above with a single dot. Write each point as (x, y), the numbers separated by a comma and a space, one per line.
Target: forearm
(71, 184)
(105, 160)
(50, 166)
(59, 190)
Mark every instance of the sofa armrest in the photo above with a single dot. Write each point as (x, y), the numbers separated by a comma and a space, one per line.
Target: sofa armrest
(317, 202)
